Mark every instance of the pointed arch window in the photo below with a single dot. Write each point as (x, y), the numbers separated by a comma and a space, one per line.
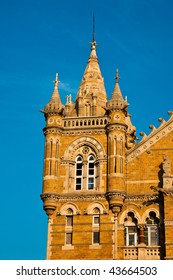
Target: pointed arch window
(79, 172)
(151, 233)
(91, 172)
(131, 230)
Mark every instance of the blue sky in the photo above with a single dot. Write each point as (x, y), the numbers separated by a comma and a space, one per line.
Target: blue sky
(41, 37)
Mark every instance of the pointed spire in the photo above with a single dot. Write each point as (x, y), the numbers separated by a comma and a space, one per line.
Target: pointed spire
(117, 100)
(56, 82)
(54, 104)
(55, 95)
(92, 90)
(93, 43)
(93, 40)
(92, 80)
(117, 92)
(117, 76)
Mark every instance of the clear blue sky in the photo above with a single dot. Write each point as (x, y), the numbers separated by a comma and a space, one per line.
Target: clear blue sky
(41, 37)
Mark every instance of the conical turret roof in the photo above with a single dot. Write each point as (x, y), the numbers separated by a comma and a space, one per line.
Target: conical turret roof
(117, 101)
(54, 104)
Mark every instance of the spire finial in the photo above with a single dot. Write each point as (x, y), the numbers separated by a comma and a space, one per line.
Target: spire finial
(93, 31)
(56, 82)
(93, 43)
(117, 76)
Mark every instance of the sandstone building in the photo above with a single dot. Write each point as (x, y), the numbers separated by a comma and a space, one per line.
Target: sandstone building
(107, 195)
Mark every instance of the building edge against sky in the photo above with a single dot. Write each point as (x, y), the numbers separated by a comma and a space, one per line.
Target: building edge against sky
(107, 195)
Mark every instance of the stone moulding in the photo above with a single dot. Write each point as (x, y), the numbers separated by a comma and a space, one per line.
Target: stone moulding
(148, 141)
(72, 197)
(115, 194)
(99, 196)
(141, 197)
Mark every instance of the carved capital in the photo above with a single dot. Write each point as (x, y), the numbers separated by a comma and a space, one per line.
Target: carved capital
(114, 194)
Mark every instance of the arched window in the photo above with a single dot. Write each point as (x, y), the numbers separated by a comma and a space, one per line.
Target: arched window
(91, 172)
(69, 227)
(152, 230)
(131, 230)
(79, 172)
(96, 226)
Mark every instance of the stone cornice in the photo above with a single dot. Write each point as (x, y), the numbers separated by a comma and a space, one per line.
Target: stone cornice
(52, 130)
(71, 132)
(72, 197)
(148, 141)
(116, 126)
(116, 194)
(66, 197)
(84, 131)
(141, 197)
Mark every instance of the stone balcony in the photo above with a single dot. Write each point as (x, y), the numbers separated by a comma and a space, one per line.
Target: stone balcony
(141, 252)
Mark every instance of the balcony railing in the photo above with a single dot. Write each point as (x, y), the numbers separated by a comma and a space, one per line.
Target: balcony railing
(131, 253)
(141, 252)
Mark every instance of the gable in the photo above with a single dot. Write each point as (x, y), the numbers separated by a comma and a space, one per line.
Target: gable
(158, 136)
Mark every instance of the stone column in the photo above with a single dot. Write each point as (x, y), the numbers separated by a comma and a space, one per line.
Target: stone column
(84, 174)
(48, 238)
(142, 245)
(141, 234)
(115, 210)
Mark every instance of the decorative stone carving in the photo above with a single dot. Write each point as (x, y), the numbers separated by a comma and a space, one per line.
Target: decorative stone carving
(141, 197)
(147, 141)
(167, 192)
(166, 166)
(73, 197)
(85, 150)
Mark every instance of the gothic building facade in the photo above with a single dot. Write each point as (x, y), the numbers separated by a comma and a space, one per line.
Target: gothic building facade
(107, 195)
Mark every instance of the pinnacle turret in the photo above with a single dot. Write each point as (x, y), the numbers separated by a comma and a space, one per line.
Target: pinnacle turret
(54, 105)
(117, 101)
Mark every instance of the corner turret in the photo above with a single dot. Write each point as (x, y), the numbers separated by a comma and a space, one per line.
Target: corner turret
(54, 106)
(116, 109)
(117, 102)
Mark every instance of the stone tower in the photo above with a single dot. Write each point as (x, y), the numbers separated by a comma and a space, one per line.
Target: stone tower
(107, 196)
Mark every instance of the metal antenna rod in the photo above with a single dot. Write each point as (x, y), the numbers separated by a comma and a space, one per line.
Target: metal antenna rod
(93, 39)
